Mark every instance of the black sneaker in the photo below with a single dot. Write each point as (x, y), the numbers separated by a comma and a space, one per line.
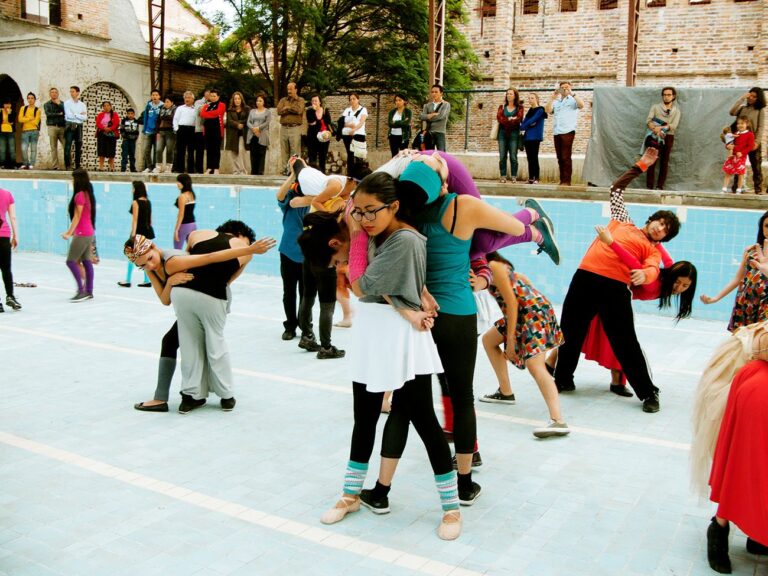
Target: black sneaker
(621, 390)
(228, 404)
(309, 344)
(11, 302)
(288, 335)
(124, 284)
(330, 353)
(81, 297)
(188, 403)
(477, 461)
(548, 243)
(651, 404)
(468, 498)
(498, 398)
(380, 506)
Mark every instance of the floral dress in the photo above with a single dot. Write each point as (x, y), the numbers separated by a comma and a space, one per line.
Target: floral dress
(751, 303)
(537, 328)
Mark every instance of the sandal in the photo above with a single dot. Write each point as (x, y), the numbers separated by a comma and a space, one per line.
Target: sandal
(503, 180)
(450, 527)
(347, 504)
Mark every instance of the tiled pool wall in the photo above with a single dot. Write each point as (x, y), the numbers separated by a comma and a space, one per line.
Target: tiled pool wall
(713, 239)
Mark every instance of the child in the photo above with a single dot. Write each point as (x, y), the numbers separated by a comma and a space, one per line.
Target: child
(535, 331)
(129, 128)
(736, 164)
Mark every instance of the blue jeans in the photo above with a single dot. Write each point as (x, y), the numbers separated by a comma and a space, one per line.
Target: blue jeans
(29, 147)
(508, 146)
(438, 141)
(7, 150)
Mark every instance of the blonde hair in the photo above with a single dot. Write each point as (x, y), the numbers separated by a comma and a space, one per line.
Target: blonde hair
(745, 344)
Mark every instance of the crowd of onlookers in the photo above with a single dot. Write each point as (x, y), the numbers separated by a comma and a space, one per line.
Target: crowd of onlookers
(188, 136)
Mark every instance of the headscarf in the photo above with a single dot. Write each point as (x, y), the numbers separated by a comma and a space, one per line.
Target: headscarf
(141, 245)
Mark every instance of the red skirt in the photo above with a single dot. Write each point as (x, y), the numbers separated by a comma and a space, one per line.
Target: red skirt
(739, 478)
(597, 348)
(734, 165)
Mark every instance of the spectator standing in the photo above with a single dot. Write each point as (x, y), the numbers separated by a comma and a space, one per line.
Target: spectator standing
(54, 121)
(149, 121)
(318, 132)
(533, 128)
(75, 115)
(290, 109)
(237, 117)
(184, 122)
(9, 240)
(752, 105)
(7, 137)
(435, 114)
(29, 118)
(257, 137)
(107, 133)
(213, 130)
(166, 137)
(354, 116)
(662, 120)
(199, 136)
(509, 116)
(399, 122)
(564, 107)
(129, 130)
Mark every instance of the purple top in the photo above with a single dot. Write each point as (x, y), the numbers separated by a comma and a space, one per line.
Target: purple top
(6, 199)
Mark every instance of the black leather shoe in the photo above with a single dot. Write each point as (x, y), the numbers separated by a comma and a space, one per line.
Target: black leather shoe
(754, 547)
(188, 403)
(309, 344)
(288, 335)
(620, 390)
(651, 404)
(153, 408)
(717, 548)
(566, 387)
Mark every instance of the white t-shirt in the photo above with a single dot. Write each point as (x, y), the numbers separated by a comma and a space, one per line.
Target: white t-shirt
(312, 181)
(396, 131)
(350, 119)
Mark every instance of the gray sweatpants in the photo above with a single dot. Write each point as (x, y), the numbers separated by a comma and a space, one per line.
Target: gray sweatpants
(205, 363)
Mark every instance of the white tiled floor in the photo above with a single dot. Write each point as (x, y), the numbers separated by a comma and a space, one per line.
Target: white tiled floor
(89, 486)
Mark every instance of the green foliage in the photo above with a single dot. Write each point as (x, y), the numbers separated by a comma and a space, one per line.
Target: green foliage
(330, 46)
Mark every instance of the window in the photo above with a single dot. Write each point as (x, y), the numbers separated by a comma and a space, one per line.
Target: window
(608, 4)
(655, 3)
(42, 11)
(568, 5)
(530, 6)
(700, 1)
(488, 8)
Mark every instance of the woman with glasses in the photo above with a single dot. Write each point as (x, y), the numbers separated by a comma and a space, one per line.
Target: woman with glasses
(401, 356)
(167, 268)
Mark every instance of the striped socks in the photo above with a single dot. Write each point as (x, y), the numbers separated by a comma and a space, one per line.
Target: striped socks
(448, 489)
(354, 477)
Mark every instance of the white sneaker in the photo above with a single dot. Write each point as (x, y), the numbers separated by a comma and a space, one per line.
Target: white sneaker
(157, 170)
(552, 429)
(146, 171)
(168, 169)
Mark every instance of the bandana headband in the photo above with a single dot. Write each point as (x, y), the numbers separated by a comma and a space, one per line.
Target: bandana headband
(141, 245)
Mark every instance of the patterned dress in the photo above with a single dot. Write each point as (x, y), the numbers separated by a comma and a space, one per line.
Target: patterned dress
(537, 328)
(751, 303)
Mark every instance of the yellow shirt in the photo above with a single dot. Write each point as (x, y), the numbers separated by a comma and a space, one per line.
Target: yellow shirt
(30, 120)
(5, 124)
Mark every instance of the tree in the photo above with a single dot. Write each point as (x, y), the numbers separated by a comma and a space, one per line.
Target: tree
(329, 46)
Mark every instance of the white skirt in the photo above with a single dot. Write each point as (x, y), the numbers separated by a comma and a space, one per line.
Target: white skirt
(386, 351)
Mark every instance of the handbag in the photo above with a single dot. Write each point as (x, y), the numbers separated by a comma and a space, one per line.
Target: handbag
(359, 149)
(495, 130)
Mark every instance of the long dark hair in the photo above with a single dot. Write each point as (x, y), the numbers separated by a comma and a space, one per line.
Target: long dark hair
(186, 184)
(668, 276)
(387, 190)
(82, 183)
(760, 233)
(139, 190)
(496, 257)
(760, 102)
(319, 229)
(517, 103)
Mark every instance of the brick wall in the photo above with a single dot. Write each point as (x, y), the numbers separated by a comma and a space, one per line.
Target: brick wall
(10, 8)
(84, 16)
(178, 79)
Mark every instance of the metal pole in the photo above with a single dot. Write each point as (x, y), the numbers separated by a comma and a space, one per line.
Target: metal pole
(378, 116)
(467, 112)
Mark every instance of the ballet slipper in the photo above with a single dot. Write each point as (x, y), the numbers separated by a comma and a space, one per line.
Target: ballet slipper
(450, 526)
(346, 505)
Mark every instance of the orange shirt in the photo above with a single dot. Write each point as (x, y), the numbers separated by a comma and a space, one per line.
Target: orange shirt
(600, 259)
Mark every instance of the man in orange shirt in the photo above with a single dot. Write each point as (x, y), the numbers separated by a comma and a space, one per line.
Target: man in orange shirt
(600, 286)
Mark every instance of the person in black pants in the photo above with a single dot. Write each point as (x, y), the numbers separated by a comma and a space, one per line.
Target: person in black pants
(318, 133)
(320, 284)
(399, 122)
(8, 241)
(601, 287)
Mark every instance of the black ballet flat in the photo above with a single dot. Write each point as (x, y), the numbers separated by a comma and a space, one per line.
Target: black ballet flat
(620, 390)
(155, 408)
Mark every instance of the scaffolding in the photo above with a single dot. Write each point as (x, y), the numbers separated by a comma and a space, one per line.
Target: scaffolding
(436, 40)
(156, 20)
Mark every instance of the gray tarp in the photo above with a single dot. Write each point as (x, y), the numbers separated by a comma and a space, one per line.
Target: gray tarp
(618, 129)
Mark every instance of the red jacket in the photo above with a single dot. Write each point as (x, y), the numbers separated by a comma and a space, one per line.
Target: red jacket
(211, 111)
(114, 129)
(744, 143)
(509, 123)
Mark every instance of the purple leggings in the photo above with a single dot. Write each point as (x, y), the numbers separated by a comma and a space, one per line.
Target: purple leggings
(74, 267)
(484, 241)
(184, 231)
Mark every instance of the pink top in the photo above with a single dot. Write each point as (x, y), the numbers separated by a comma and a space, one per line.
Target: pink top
(84, 226)
(6, 199)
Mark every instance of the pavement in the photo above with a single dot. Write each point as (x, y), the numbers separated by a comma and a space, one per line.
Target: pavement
(90, 486)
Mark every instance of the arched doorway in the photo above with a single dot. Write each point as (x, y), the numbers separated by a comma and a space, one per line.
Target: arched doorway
(10, 92)
(93, 96)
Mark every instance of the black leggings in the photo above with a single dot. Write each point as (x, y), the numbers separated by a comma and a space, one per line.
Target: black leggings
(5, 265)
(320, 285)
(411, 403)
(169, 347)
(456, 341)
(591, 295)
(532, 155)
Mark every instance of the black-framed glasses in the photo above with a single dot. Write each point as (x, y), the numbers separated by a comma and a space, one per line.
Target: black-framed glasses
(369, 215)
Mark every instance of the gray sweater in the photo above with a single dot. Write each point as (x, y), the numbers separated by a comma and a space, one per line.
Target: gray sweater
(440, 122)
(673, 118)
(398, 270)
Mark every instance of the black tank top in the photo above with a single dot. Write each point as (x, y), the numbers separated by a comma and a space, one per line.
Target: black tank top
(143, 225)
(213, 278)
(189, 211)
